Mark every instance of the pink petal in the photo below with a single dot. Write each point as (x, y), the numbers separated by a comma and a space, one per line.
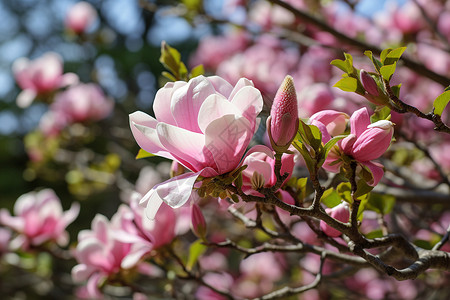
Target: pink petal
(25, 98)
(377, 171)
(143, 128)
(215, 107)
(249, 101)
(359, 121)
(187, 100)
(82, 272)
(185, 146)
(227, 139)
(137, 252)
(175, 192)
(222, 86)
(162, 102)
(242, 82)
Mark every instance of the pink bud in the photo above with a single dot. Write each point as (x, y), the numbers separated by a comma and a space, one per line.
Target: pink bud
(80, 17)
(283, 120)
(369, 83)
(198, 221)
(340, 213)
(373, 142)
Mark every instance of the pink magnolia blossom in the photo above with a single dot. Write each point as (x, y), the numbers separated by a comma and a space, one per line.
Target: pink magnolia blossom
(81, 17)
(263, 162)
(83, 102)
(341, 213)
(282, 123)
(205, 124)
(38, 219)
(365, 143)
(40, 76)
(221, 281)
(146, 235)
(334, 121)
(102, 255)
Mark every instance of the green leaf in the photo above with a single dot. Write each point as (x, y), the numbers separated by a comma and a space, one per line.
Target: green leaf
(327, 148)
(340, 64)
(170, 58)
(195, 251)
(387, 71)
(349, 61)
(362, 188)
(310, 163)
(168, 76)
(344, 190)
(382, 204)
(347, 84)
(330, 198)
(182, 71)
(143, 154)
(381, 113)
(197, 71)
(384, 53)
(396, 89)
(374, 234)
(441, 102)
(316, 141)
(375, 61)
(393, 56)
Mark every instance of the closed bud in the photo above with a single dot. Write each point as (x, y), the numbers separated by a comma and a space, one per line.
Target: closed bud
(372, 92)
(198, 223)
(341, 213)
(369, 83)
(282, 124)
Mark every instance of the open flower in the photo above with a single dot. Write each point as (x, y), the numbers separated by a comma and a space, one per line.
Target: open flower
(40, 76)
(205, 124)
(39, 218)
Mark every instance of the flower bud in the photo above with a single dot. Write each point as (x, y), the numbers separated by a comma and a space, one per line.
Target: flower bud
(372, 92)
(369, 83)
(340, 213)
(373, 142)
(80, 17)
(198, 223)
(282, 125)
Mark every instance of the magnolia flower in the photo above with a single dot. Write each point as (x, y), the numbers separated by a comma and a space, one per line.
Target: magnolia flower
(262, 162)
(341, 213)
(205, 124)
(40, 76)
(39, 218)
(103, 255)
(83, 102)
(80, 17)
(365, 143)
(282, 123)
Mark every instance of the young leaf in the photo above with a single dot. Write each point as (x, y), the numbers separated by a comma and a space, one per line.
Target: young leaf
(387, 71)
(393, 56)
(168, 76)
(143, 154)
(340, 64)
(374, 234)
(349, 61)
(195, 251)
(384, 53)
(362, 189)
(344, 190)
(441, 102)
(347, 84)
(170, 58)
(330, 198)
(381, 113)
(197, 71)
(316, 141)
(396, 89)
(375, 61)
